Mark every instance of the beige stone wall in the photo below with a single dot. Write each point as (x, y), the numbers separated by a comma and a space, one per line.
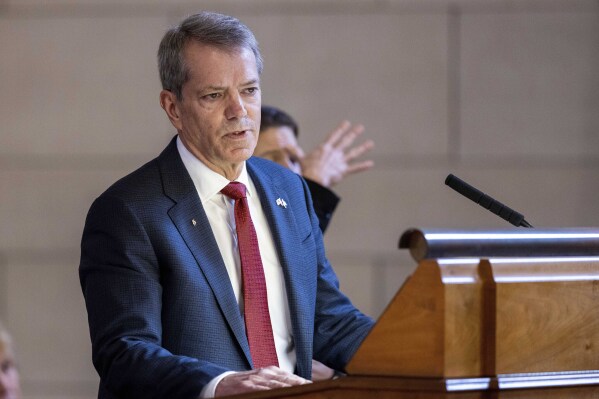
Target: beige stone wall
(503, 93)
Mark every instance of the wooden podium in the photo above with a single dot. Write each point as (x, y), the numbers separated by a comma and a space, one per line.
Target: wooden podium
(486, 314)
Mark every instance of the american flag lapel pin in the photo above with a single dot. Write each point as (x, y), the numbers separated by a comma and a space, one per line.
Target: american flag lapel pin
(281, 202)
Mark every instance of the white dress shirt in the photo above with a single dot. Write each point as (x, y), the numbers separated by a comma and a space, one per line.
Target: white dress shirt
(220, 211)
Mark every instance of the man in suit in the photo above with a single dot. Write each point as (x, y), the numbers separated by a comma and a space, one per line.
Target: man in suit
(164, 254)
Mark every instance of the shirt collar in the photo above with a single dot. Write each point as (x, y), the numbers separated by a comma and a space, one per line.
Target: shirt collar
(207, 182)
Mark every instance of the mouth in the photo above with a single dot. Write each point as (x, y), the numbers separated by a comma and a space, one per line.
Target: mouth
(238, 134)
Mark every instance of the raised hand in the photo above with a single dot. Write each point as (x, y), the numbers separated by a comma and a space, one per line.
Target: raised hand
(333, 159)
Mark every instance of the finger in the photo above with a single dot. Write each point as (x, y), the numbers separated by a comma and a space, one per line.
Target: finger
(349, 136)
(359, 167)
(293, 379)
(288, 382)
(359, 150)
(293, 160)
(278, 379)
(336, 134)
(273, 383)
(242, 382)
(276, 373)
(268, 382)
(295, 152)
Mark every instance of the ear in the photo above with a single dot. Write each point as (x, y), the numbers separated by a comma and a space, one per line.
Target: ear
(170, 105)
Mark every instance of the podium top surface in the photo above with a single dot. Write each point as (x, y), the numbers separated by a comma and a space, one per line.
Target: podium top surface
(514, 242)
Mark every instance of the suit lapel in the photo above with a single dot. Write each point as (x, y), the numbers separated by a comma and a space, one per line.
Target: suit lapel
(199, 238)
(284, 231)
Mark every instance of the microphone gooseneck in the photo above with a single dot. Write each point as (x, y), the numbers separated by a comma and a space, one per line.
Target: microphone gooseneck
(501, 210)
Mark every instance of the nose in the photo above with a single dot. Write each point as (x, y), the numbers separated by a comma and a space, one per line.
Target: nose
(294, 166)
(283, 158)
(235, 107)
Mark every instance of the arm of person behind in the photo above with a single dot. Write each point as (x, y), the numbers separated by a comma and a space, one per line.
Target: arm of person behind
(325, 202)
(336, 157)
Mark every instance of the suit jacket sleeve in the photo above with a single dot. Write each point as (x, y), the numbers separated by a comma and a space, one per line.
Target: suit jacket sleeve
(121, 282)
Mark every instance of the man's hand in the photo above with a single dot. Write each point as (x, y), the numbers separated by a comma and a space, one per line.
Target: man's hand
(257, 380)
(320, 372)
(333, 159)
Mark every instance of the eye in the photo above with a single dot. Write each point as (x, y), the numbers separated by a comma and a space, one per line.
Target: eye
(251, 90)
(212, 96)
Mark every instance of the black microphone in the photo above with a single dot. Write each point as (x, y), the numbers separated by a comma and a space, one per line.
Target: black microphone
(503, 211)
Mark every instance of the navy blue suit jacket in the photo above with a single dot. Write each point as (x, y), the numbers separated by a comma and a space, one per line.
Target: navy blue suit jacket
(162, 314)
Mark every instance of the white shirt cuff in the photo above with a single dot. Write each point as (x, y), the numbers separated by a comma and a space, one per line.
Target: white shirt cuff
(210, 388)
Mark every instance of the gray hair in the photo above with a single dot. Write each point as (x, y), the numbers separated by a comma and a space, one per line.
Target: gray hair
(209, 28)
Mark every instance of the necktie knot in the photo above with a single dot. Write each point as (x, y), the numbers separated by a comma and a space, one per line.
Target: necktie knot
(234, 190)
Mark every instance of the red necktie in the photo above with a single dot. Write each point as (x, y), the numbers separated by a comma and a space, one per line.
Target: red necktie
(257, 318)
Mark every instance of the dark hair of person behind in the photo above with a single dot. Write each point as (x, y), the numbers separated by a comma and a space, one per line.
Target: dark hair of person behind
(218, 30)
(274, 117)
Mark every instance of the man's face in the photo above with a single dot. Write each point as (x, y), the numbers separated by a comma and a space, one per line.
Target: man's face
(9, 377)
(219, 114)
(278, 143)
